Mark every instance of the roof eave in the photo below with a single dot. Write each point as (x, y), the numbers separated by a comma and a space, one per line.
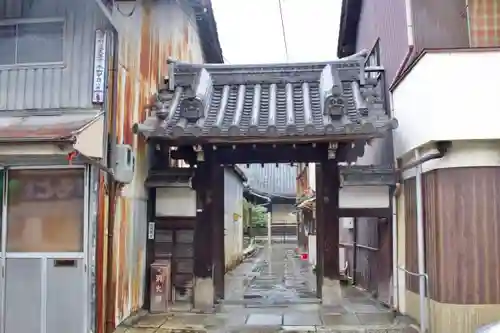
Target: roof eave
(349, 21)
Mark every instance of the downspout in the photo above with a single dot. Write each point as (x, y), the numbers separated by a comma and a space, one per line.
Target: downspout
(395, 272)
(467, 12)
(442, 147)
(421, 245)
(411, 39)
(112, 191)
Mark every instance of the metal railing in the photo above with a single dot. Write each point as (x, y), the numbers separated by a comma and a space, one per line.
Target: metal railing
(424, 327)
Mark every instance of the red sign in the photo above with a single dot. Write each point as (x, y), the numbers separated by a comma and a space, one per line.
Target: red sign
(159, 281)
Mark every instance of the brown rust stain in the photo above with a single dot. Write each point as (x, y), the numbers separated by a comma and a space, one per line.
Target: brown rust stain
(142, 66)
(100, 256)
(128, 109)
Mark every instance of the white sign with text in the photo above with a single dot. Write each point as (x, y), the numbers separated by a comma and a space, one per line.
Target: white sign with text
(99, 79)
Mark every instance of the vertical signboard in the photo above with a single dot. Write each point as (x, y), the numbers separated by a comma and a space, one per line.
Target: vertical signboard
(99, 76)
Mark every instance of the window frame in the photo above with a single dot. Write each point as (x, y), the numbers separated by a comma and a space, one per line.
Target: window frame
(46, 254)
(16, 22)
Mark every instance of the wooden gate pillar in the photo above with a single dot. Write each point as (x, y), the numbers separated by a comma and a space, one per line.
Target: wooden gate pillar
(218, 233)
(203, 245)
(327, 233)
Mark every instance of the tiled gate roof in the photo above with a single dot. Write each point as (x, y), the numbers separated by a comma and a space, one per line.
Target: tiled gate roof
(232, 101)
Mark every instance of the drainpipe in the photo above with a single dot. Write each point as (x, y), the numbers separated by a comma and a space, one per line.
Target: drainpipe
(395, 272)
(467, 12)
(269, 239)
(110, 299)
(420, 244)
(411, 39)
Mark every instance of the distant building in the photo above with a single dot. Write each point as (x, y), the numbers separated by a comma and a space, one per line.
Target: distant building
(277, 183)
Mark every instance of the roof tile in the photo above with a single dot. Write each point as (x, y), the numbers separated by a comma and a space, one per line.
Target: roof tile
(270, 100)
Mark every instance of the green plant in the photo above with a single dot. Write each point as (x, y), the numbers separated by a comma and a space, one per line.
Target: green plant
(254, 216)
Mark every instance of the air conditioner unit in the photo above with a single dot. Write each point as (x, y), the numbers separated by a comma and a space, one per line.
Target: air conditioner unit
(124, 164)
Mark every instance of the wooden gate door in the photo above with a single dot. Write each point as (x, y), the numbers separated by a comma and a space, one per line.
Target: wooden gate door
(174, 239)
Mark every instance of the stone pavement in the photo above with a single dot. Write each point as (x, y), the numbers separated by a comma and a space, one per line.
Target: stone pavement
(275, 292)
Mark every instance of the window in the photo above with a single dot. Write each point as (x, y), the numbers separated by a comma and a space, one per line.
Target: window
(45, 210)
(31, 42)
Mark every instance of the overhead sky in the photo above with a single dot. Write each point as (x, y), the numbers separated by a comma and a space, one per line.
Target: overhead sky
(250, 31)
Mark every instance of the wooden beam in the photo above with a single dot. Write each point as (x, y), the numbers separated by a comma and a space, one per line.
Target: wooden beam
(203, 224)
(330, 219)
(217, 216)
(365, 212)
(320, 230)
(242, 154)
(150, 246)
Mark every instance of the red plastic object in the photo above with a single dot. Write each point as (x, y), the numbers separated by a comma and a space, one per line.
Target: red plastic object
(304, 256)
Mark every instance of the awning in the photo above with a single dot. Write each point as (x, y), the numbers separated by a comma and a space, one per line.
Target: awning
(53, 133)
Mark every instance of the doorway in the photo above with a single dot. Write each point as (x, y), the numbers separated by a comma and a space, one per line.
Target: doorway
(174, 240)
(44, 250)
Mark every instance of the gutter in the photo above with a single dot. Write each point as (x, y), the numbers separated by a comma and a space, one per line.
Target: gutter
(252, 192)
(442, 148)
(65, 139)
(411, 41)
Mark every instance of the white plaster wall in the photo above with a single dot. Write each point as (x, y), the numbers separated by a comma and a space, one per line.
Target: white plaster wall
(175, 201)
(233, 207)
(364, 197)
(448, 96)
(282, 213)
(311, 243)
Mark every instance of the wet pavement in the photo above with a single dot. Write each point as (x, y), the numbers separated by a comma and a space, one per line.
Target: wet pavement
(276, 292)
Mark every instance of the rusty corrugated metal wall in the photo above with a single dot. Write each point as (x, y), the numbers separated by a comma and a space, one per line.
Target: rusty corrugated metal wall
(147, 37)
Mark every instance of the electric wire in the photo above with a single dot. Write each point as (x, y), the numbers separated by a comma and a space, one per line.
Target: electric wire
(283, 30)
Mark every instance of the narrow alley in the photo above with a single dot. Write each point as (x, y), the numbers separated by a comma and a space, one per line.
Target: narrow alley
(275, 292)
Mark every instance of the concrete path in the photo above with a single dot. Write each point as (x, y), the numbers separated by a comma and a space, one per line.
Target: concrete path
(275, 292)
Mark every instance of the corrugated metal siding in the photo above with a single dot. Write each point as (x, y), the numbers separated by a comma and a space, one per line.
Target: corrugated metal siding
(146, 39)
(384, 19)
(272, 179)
(462, 218)
(233, 204)
(68, 86)
(440, 24)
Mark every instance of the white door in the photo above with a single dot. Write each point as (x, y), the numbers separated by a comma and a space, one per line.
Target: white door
(44, 249)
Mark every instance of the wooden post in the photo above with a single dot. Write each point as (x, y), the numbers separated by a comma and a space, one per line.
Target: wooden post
(217, 216)
(327, 238)
(320, 230)
(150, 246)
(203, 240)
(354, 249)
